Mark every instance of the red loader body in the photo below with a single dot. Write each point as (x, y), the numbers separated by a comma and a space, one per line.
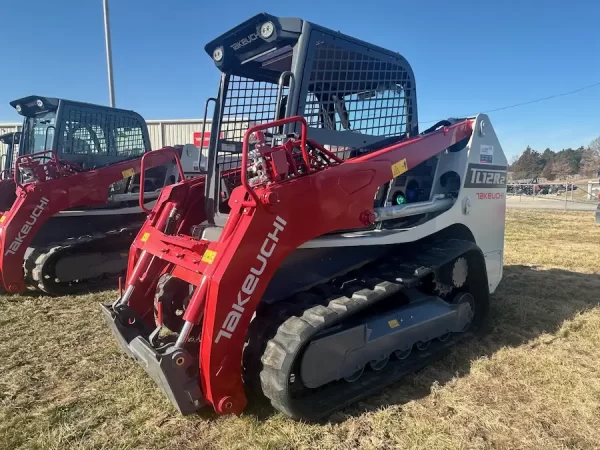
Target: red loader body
(266, 224)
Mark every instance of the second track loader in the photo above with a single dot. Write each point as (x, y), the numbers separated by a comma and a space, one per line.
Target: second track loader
(339, 247)
(70, 206)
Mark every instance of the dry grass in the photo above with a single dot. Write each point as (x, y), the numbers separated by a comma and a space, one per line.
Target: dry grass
(533, 382)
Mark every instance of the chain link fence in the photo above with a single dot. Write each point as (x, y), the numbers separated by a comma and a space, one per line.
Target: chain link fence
(572, 195)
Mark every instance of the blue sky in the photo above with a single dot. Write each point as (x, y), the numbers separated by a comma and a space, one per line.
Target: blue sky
(468, 57)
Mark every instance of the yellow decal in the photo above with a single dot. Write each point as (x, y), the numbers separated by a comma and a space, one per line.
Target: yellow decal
(399, 168)
(128, 173)
(145, 237)
(2, 219)
(393, 323)
(209, 256)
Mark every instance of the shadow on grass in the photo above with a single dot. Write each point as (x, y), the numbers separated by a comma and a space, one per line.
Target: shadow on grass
(527, 303)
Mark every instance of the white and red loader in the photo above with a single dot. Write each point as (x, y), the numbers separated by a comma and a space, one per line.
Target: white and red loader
(330, 249)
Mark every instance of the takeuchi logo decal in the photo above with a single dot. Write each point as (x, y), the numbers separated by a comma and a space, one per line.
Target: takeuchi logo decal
(251, 281)
(244, 41)
(27, 226)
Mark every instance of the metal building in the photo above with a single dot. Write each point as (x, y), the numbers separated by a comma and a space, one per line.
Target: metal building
(176, 132)
(8, 128)
(180, 132)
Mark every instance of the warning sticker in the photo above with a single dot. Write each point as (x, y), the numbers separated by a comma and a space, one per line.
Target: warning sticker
(128, 173)
(393, 323)
(399, 168)
(145, 237)
(209, 256)
(486, 154)
(2, 219)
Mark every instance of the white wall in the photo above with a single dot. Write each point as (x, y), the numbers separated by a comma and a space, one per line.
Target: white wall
(180, 132)
(174, 132)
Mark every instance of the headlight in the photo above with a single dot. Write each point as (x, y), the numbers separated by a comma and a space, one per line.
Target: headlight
(18, 108)
(218, 54)
(39, 103)
(267, 29)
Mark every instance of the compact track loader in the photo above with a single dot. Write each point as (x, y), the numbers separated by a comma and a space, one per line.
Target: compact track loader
(70, 200)
(330, 249)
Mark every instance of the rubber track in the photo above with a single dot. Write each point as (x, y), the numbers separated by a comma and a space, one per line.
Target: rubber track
(35, 263)
(286, 328)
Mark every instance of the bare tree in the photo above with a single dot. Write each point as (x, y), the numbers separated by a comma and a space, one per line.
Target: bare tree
(549, 173)
(590, 161)
(513, 160)
(561, 168)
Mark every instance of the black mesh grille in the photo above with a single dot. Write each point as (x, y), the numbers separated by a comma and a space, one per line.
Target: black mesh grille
(248, 102)
(346, 89)
(128, 137)
(373, 95)
(94, 133)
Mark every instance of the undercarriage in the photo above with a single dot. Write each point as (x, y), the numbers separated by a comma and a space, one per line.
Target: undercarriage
(348, 338)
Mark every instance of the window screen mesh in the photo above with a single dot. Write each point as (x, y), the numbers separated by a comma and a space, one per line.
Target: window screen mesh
(248, 102)
(94, 133)
(129, 138)
(373, 95)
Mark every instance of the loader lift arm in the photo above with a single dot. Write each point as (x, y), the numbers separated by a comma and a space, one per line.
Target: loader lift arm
(266, 223)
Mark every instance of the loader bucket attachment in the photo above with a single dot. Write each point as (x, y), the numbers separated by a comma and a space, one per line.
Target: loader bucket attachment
(173, 368)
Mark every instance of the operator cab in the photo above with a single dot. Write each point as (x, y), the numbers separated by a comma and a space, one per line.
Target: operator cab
(90, 136)
(82, 133)
(355, 97)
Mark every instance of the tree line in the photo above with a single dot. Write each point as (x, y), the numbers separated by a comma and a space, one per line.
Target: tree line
(583, 161)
